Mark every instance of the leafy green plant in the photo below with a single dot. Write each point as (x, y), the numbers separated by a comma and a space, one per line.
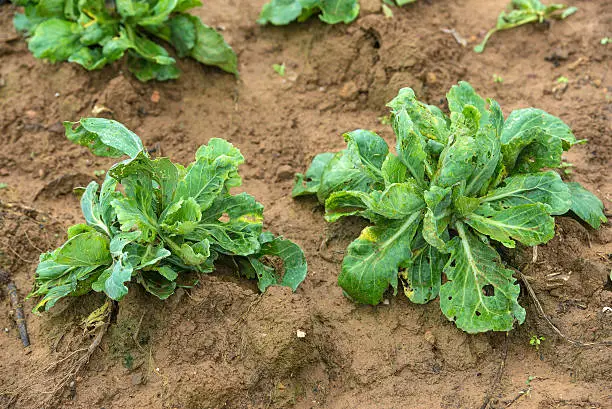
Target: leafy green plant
(458, 188)
(562, 80)
(525, 12)
(282, 12)
(279, 69)
(153, 219)
(536, 341)
(94, 33)
(498, 79)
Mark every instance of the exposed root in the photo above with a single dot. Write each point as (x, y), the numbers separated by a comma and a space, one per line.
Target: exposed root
(498, 375)
(80, 358)
(541, 311)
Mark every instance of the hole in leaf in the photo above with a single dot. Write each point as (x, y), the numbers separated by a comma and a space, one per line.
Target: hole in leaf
(478, 313)
(488, 290)
(450, 298)
(224, 218)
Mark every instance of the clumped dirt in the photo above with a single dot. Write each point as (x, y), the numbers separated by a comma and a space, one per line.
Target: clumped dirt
(221, 344)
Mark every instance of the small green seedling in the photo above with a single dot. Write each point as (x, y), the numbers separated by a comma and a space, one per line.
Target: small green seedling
(535, 342)
(525, 12)
(99, 173)
(562, 80)
(457, 188)
(497, 79)
(3, 185)
(279, 69)
(283, 12)
(153, 221)
(605, 41)
(94, 33)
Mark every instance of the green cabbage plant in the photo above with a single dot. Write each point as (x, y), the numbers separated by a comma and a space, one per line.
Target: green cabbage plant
(94, 33)
(457, 188)
(153, 220)
(283, 12)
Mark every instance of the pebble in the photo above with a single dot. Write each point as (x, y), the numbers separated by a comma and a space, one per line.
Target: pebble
(136, 379)
(430, 338)
(349, 91)
(284, 172)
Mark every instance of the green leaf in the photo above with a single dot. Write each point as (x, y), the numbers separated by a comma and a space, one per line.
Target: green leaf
(393, 170)
(146, 70)
(183, 34)
(210, 48)
(437, 216)
(411, 146)
(90, 59)
(205, 181)
(428, 120)
(367, 151)
(341, 174)
(338, 11)
(137, 212)
(531, 151)
(480, 294)
(523, 121)
(422, 276)
(158, 282)
(530, 224)
(542, 187)
(192, 254)
(159, 13)
(294, 262)
(397, 201)
(310, 182)
(55, 40)
(238, 235)
(114, 279)
(84, 249)
(181, 217)
(586, 205)
(372, 261)
(280, 12)
(104, 137)
(462, 95)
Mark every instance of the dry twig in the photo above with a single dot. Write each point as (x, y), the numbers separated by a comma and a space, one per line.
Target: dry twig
(540, 309)
(498, 375)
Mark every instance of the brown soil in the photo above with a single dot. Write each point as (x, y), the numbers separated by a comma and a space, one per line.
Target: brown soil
(222, 344)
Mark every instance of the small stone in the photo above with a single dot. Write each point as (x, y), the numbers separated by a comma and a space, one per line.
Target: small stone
(431, 78)
(155, 97)
(430, 338)
(4, 172)
(31, 114)
(349, 91)
(300, 334)
(136, 379)
(369, 7)
(41, 173)
(284, 172)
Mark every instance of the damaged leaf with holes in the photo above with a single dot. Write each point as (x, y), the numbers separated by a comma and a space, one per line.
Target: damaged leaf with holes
(457, 188)
(94, 33)
(283, 12)
(154, 221)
